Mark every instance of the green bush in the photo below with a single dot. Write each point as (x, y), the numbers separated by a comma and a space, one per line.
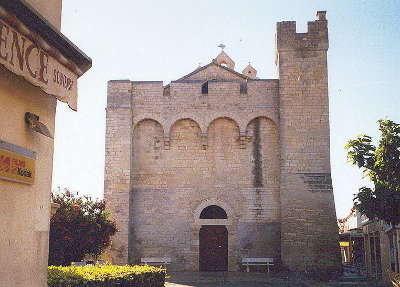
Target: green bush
(105, 276)
(80, 226)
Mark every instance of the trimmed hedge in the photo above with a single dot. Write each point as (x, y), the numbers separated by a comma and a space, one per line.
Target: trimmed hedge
(105, 276)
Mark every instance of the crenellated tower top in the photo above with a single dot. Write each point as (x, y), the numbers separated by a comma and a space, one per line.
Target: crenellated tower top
(316, 37)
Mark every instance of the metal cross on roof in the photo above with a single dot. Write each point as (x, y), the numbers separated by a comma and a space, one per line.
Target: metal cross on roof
(222, 46)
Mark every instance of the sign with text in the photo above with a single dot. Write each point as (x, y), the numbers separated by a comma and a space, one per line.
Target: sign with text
(16, 167)
(24, 58)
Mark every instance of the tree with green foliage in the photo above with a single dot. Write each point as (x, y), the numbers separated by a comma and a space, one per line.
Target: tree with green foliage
(381, 164)
(80, 226)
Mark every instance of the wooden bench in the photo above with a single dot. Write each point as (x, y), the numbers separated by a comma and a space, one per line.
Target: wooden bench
(257, 262)
(163, 261)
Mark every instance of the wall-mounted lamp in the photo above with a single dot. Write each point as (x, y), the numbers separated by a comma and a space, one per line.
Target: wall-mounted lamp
(33, 122)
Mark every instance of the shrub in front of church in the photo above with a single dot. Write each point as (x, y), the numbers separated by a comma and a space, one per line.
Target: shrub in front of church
(106, 276)
(80, 226)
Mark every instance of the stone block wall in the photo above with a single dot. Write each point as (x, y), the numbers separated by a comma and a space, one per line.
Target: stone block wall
(190, 150)
(186, 148)
(117, 176)
(309, 230)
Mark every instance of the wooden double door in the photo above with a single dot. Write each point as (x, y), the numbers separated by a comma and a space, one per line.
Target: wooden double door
(213, 248)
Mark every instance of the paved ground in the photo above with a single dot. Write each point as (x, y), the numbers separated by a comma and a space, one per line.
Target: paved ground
(243, 279)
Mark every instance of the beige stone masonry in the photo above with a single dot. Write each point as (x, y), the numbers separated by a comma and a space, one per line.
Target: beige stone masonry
(257, 148)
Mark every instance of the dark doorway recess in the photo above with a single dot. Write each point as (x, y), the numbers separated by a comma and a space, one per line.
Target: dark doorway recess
(213, 249)
(213, 212)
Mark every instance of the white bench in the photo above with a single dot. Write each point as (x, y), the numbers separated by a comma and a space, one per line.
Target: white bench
(257, 262)
(163, 261)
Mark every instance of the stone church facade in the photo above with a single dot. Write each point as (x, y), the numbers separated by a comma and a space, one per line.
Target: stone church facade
(220, 165)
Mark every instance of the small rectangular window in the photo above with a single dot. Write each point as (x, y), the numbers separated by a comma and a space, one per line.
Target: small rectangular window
(243, 88)
(204, 88)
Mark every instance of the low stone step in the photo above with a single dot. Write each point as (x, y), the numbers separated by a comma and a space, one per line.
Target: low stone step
(356, 284)
(350, 279)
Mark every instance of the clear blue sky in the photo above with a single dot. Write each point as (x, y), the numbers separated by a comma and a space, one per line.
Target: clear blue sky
(163, 40)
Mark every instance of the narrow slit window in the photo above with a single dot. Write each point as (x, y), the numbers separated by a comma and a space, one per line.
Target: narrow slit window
(204, 88)
(243, 88)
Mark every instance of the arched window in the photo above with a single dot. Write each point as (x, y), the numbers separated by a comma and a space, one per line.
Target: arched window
(213, 212)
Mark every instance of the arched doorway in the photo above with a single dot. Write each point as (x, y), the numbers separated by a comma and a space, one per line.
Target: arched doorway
(213, 241)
